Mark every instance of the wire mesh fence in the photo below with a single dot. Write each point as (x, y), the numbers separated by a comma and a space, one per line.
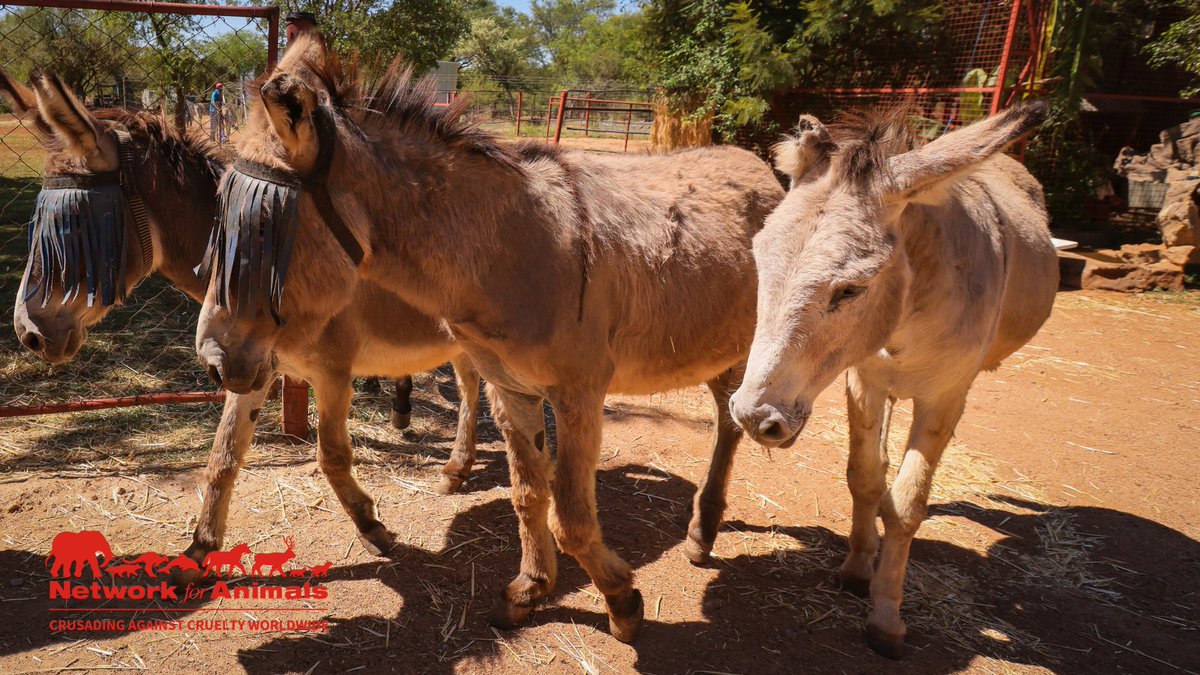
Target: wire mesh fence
(164, 60)
(972, 61)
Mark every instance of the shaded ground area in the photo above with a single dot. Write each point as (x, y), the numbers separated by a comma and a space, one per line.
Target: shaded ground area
(1063, 534)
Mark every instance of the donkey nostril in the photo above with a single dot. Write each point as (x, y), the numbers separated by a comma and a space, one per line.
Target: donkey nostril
(32, 341)
(772, 430)
(214, 375)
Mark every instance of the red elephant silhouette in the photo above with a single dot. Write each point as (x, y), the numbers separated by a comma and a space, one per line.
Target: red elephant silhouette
(73, 550)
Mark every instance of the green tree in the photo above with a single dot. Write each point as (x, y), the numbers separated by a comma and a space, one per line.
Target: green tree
(500, 52)
(1179, 46)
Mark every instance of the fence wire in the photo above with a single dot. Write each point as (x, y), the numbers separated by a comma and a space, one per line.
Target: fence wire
(167, 64)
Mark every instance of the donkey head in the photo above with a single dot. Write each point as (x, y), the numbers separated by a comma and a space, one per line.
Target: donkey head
(83, 249)
(832, 270)
(278, 198)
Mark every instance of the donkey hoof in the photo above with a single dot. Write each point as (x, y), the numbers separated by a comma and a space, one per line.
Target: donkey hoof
(448, 485)
(886, 644)
(624, 622)
(696, 551)
(377, 540)
(182, 579)
(401, 420)
(855, 585)
(507, 615)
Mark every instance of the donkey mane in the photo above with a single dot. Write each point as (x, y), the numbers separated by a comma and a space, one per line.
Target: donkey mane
(866, 138)
(400, 100)
(180, 150)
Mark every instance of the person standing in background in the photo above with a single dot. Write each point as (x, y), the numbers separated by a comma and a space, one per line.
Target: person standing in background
(216, 114)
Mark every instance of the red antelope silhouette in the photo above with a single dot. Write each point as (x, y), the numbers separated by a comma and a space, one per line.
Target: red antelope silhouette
(182, 563)
(74, 550)
(274, 562)
(217, 560)
(150, 561)
(123, 571)
(322, 570)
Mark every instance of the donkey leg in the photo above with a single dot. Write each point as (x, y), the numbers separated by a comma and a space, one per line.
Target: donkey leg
(869, 408)
(709, 504)
(463, 455)
(335, 455)
(519, 418)
(402, 403)
(903, 509)
(579, 418)
(224, 460)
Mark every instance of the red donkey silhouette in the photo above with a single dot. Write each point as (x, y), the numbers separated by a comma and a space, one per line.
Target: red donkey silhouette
(217, 560)
(274, 562)
(74, 550)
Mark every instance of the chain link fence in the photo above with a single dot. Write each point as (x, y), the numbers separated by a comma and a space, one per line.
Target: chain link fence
(165, 60)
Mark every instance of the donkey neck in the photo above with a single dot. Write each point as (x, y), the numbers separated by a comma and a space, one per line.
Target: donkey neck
(181, 200)
(432, 238)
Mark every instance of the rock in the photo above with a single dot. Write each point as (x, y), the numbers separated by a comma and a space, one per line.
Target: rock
(1181, 255)
(1138, 254)
(1108, 275)
(1179, 218)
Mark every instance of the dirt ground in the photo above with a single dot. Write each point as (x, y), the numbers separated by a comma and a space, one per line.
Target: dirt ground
(1063, 534)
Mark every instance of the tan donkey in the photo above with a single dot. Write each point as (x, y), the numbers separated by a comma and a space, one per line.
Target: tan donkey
(176, 177)
(564, 276)
(915, 270)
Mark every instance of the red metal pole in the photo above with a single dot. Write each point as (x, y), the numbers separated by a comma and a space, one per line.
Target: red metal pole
(106, 403)
(272, 39)
(519, 102)
(587, 115)
(558, 124)
(1002, 73)
(295, 407)
(628, 119)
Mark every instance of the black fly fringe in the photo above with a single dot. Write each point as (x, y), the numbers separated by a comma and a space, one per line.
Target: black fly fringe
(77, 241)
(251, 243)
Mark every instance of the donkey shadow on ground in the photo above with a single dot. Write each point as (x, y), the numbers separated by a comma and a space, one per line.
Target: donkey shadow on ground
(432, 586)
(782, 611)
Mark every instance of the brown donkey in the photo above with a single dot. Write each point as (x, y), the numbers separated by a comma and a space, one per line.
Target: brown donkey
(565, 276)
(177, 178)
(914, 269)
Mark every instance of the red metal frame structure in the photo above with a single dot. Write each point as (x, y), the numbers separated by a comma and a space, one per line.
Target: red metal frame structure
(564, 103)
(294, 392)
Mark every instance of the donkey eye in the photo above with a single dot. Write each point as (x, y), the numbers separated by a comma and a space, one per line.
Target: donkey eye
(845, 293)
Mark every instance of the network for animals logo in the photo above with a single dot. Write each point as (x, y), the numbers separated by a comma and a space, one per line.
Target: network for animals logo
(148, 577)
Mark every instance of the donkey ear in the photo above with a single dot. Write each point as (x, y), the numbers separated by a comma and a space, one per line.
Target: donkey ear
(920, 172)
(807, 148)
(66, 115)
(24, 103)
(290, 104)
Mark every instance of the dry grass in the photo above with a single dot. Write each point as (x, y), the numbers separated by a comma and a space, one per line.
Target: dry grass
(672, 130)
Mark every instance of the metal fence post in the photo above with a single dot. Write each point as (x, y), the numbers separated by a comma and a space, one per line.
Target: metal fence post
(1002, 72)
(558, 123)
(294, 399)
(519, 102)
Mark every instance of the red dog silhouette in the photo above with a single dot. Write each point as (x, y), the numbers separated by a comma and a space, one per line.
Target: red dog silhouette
(73, 550)
(274, 562)
(150, 561)
(217, 560)
(322, 570)
(182, 563)
(122, 571)
(300, 572)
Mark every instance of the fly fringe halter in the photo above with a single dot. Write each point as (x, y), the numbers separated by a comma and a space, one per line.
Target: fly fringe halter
(77, 237)
(251, 244)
